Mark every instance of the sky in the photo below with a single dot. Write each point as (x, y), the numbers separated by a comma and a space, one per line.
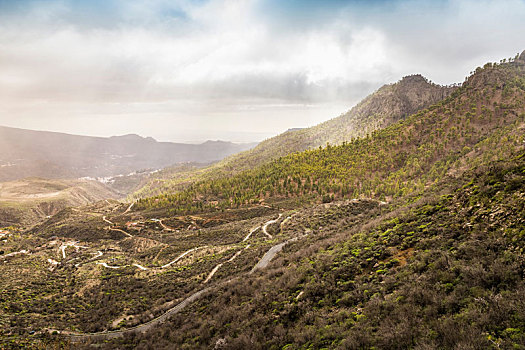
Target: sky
(237, 70)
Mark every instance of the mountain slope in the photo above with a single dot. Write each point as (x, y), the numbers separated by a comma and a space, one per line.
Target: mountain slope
(458, 133)
(444, 273)
(26, 153)
(24, 202)
(386, 106)
(442, 266)
(411, 237)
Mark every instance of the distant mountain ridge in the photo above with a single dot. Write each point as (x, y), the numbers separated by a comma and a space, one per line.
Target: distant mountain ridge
(46, 154)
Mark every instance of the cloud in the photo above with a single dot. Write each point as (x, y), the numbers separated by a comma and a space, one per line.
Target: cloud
(187, 59)
(219, 44)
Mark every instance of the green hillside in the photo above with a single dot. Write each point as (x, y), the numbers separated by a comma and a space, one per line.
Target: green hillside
(441, 266)
(386, 106)
(444, 273)
(481, 121)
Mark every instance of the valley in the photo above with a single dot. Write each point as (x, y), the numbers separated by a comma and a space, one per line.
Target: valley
(148, 253)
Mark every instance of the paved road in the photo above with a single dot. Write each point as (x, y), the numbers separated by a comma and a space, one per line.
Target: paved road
(76, 337)
(270, 254)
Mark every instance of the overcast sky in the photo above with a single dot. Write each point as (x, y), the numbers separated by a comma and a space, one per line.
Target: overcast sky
(239, 70)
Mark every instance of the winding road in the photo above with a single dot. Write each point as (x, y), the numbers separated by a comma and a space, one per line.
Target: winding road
(114, 229)
(261, 264)
(249, 234)
(23, 251)
(70, 244)
(265, 226)
(216, 268)
(109, 266)
(166, 227)
(141, 267)
(129, 208)
(271, 253)
(121, 231)
(182, 256)
(142, 328)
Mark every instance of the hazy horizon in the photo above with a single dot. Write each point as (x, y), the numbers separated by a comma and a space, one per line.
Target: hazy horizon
(233, 70)
(189, 141)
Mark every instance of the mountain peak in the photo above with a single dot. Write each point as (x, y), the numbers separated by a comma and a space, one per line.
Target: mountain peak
(495, 75)
(214, 142)
(414, 78)
(133, 137)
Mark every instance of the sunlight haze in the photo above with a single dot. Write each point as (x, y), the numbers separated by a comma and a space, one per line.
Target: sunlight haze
(238, 70)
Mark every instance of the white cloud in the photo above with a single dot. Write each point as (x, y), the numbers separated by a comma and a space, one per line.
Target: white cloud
(225, 61)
